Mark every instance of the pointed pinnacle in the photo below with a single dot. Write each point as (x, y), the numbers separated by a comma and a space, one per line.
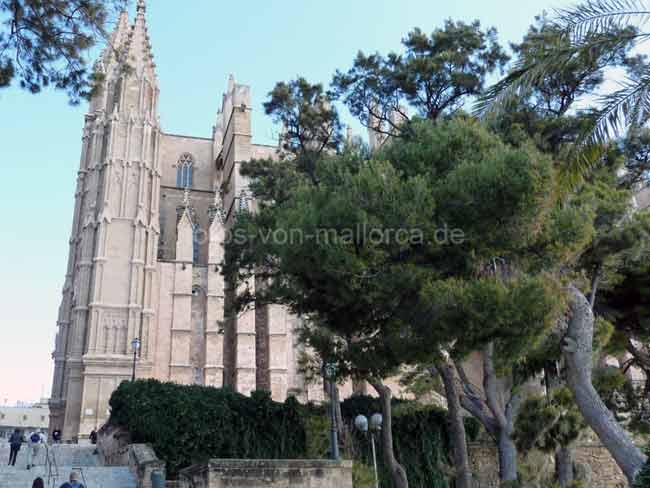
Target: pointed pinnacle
(142, 7)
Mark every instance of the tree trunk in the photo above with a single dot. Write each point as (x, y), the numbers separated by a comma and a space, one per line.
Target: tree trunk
(507, 448)
(595, 281)
(578, 350)
(507, 457)
(456, 426)
(495, 392)
(397, 471)
(564, 466)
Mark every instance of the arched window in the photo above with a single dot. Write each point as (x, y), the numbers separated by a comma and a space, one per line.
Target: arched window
(184, 171)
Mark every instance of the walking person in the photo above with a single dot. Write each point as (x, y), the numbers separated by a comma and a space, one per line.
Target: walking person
(15, 443)
(74, 481)
(33, 448)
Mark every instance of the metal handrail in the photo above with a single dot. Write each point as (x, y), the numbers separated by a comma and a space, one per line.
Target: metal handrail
(51, 467)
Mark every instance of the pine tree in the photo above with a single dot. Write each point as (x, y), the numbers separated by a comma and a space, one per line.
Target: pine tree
(44, 43)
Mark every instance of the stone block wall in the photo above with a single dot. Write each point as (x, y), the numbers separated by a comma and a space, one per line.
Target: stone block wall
(258, 473)
(594, 465)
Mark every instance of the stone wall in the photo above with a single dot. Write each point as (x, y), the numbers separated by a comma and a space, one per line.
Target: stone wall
(115, 449)
(221, 473)
(597, 467)
(594, 465)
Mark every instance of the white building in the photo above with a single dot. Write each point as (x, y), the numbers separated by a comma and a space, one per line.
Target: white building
(24, 417)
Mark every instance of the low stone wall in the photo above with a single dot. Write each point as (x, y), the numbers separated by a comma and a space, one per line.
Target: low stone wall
(143, 462)
(597, 467)
(258, 473)
(484, 462)
(113, 445)
(594, 465)
(115, 449)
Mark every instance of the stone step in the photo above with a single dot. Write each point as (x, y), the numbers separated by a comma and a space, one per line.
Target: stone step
(63, 454)
(91, 477)
(66, 458)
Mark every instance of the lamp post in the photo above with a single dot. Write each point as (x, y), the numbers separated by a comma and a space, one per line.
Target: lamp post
(135, 344)
(330, 374)
(361, 423)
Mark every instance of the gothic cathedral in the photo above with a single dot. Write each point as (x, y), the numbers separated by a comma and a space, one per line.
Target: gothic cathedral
(150, 217)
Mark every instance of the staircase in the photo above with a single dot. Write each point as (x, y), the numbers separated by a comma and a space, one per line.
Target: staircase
(67, 458)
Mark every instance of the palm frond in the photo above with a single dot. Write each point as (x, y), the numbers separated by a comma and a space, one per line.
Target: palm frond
(600, 16)
(523, 78)
(629, 105)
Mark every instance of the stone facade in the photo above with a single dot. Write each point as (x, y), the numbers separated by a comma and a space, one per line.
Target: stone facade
(151, 213)
(222, 473)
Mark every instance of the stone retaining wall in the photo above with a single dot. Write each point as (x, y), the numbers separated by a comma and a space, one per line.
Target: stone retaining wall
(258, 473)
(593, 463)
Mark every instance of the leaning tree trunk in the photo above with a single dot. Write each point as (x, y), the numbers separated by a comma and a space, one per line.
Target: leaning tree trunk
(397, 471)
(578, 353)
(564, 466)
(456, 426)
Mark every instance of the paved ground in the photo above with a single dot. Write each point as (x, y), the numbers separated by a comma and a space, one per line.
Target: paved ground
(67, 457)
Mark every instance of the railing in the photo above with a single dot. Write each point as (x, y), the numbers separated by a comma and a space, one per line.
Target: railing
(51, 467)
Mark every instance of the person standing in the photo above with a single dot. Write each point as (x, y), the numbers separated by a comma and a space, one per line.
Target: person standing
(33, 448)
(15, 443)
(56, 436)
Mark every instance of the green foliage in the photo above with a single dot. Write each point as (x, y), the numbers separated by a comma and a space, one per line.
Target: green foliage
(565, 56)
(548, 423)
(420, 438)
(636, 149)
(310, 121)
(642, 479)
(516, 314)
(191, 424)
(434, 75)
(317, 429)
(363, 476)
(45, 43)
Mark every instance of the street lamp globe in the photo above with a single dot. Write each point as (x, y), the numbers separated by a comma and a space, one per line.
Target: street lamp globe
(135, 343)
(376, 421)
(361, 423)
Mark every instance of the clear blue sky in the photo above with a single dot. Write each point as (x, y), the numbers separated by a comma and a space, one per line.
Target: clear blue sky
(197, 43)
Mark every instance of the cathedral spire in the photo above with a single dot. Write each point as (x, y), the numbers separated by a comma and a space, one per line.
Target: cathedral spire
(140, 55)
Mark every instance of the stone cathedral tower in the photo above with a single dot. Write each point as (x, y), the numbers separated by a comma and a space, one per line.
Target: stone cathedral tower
(151, 213)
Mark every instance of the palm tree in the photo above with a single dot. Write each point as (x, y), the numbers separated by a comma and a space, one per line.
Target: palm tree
(582, 30)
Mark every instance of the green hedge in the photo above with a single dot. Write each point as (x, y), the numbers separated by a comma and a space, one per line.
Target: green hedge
(191, 424)
(420, 437)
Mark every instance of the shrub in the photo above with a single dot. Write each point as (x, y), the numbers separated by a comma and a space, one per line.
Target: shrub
(191, 424)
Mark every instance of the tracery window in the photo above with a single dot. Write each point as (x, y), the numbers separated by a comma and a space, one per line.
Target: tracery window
(184, 171)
